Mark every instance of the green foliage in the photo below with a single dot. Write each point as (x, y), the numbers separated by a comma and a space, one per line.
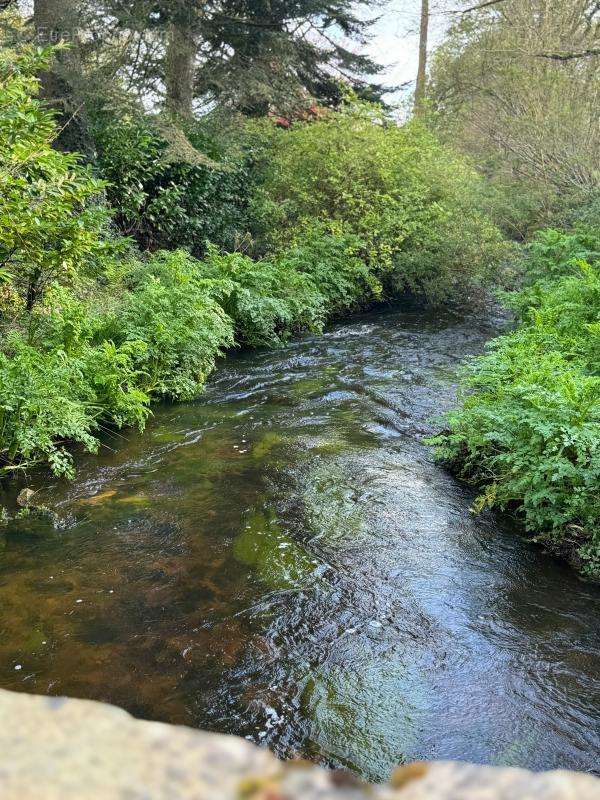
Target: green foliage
(169, 188)
(266, 300)
(529, 426)
(181, 328)
(50, 222)
(58, 383)
(68, 325)
(554, 253)
(407, 199)
(77, 366)
(334, 265)
(298, 288)
(43, 402)
(55, 382)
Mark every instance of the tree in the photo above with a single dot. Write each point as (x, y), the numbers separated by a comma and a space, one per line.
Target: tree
(422, 69)
(517, 85)
(180, 62)
(50, 226)
(278, 52)
(246, 54)
(55, 21)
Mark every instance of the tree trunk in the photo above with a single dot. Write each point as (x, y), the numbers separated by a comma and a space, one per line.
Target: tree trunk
(55, 21)
(422, 70)
(180, 69)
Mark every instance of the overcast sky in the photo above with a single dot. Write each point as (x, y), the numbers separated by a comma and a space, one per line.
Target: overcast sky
(396, 39)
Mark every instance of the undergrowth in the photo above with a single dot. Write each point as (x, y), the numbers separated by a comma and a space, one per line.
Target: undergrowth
(528, 429)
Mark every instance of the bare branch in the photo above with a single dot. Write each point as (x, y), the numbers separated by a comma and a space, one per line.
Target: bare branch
(569, 56)
(480, 6)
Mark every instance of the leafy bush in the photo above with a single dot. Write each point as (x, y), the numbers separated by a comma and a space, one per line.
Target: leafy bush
(50, 221)
(267, 301)
(529, 426)
(44, 401)
(77, 367)
(170, 188)
(334, 265)
(74, 327)
(58, 384)
(406, 198)
(180, 329)
(298, 288)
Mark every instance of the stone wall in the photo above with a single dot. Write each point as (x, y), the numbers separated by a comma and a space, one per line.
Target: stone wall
(59, 749)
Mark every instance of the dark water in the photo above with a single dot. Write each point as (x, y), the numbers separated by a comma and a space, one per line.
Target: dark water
(282, 560)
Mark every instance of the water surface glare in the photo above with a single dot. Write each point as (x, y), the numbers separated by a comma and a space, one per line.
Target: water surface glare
(283, 561)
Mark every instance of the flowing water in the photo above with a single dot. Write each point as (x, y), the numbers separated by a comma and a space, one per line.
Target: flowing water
(282, 560)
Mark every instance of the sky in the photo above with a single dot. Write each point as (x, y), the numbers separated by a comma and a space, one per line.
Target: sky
(395, 41)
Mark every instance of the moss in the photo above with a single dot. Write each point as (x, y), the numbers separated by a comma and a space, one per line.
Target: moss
(269, 441)
(278, 560)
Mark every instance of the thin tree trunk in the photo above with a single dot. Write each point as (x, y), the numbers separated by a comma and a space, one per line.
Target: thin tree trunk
(180, 70)
(422, 70)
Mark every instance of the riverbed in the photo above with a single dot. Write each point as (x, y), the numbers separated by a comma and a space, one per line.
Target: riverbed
(282, 560)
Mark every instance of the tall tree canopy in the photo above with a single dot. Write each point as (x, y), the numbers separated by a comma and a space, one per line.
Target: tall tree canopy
(517, 84)
(252, 55)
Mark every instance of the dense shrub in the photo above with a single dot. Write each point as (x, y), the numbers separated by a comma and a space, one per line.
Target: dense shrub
(77, 329)
(407, 199)
(178, 326)
(59, 382)
(168, 187)
(54, 384)
(44, 400)
(334, 264)
(77, 367)
(267, 301)
(50, 221)
(529, 426)
(299, 288)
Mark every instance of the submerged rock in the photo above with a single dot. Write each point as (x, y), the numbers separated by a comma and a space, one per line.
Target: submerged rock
(25, 498)
(61, 749)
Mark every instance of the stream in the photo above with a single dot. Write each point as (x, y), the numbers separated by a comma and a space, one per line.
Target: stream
(282, 560)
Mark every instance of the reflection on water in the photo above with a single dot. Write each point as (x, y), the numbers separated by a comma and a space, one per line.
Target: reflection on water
(283, 561)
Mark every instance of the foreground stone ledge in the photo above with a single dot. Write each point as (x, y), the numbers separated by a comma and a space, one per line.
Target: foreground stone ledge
(61, 749)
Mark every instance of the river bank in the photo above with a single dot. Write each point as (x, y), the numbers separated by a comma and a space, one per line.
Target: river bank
(527, 430)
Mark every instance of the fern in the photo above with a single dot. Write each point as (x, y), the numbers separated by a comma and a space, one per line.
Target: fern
(528, 430)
